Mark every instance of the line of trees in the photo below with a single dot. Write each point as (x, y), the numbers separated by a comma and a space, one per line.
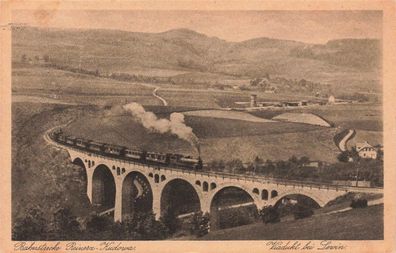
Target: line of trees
(300, 168)
(63, 225)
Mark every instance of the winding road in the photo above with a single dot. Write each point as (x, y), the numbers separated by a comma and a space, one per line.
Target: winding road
(343, 143)
(164, 102)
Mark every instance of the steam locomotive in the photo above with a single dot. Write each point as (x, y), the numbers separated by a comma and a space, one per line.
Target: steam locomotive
(130, 154)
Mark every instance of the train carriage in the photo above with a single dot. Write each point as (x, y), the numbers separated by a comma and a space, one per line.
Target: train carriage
(114, 149)
(133, 154)
(157, 157)
(71, 140)
(96, 146)
(61, 138)
(82, 142)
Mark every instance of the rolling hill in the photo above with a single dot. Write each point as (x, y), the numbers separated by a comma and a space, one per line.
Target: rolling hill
(349, 62)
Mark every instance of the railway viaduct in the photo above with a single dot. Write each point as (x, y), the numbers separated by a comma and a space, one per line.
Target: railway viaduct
(123, 186)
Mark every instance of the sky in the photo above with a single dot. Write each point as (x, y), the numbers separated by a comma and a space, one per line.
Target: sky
(306, 26)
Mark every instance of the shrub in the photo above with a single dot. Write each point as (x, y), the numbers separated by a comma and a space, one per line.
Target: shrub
(302, 211)
(359, 203)
(199, 224)
(64, 225)
(149, 229)
(32, 226)
(269, 214)
(233, 217)
(170, 220)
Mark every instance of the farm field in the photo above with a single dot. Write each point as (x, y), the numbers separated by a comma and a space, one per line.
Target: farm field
(356, 224)
(221, 138)
(306, 118)
(357, 116)
(224, 139)
(226, 115)
(68, 87)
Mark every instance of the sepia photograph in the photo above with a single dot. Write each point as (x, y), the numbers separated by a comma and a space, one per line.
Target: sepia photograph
(197, 125)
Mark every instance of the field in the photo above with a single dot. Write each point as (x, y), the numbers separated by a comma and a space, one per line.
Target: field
(225, 139)
(221, 138)
(226, 115)
(70, 87)
(204, 58)
(356, 224)
(357, 116)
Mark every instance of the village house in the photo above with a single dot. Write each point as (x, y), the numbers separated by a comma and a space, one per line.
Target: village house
(365, 150)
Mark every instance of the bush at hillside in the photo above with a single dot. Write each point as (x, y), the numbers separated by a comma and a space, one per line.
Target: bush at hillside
(302, 211)
(269, 214)
(359, 203)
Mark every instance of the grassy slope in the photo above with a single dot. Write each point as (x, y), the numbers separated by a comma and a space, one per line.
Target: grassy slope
(220, 138)
(77, 88)
(358, 116)
(357, 224)
(35, 162)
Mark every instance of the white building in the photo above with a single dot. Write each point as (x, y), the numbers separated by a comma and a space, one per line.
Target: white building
(365, 150)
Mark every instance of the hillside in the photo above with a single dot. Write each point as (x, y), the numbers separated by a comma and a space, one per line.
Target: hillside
(350, 62)
(356, 224)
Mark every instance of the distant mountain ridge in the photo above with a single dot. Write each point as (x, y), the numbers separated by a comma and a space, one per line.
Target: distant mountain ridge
(187, 50)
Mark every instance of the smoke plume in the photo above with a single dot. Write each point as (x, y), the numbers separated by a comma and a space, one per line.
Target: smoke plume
(175, 125)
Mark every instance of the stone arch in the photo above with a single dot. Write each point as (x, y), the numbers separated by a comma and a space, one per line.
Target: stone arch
(179, 197)
(274, 193)
(205, 186)
(320, 201)
(137, 194)
(81, 174)
(232, 197)
(241, 186)
(213, 186)
(78, 161)
(198, 183)
(103, 187)
(256, 191)
(264, 194)
(156, 178)
(293, 199)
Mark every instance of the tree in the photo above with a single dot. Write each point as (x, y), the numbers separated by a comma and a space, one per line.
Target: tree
(199, 224)
(46, 58)
(199, 165)
(65, 225)
(257, 163)
(343, 157)
(23, 58)
(98, 227)
(304, 160)
(302, 211)
(32, 226)
(235, 165)
(170, 220)
(269, 214)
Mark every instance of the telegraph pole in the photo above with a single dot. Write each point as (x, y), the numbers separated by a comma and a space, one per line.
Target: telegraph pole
(357, 176)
